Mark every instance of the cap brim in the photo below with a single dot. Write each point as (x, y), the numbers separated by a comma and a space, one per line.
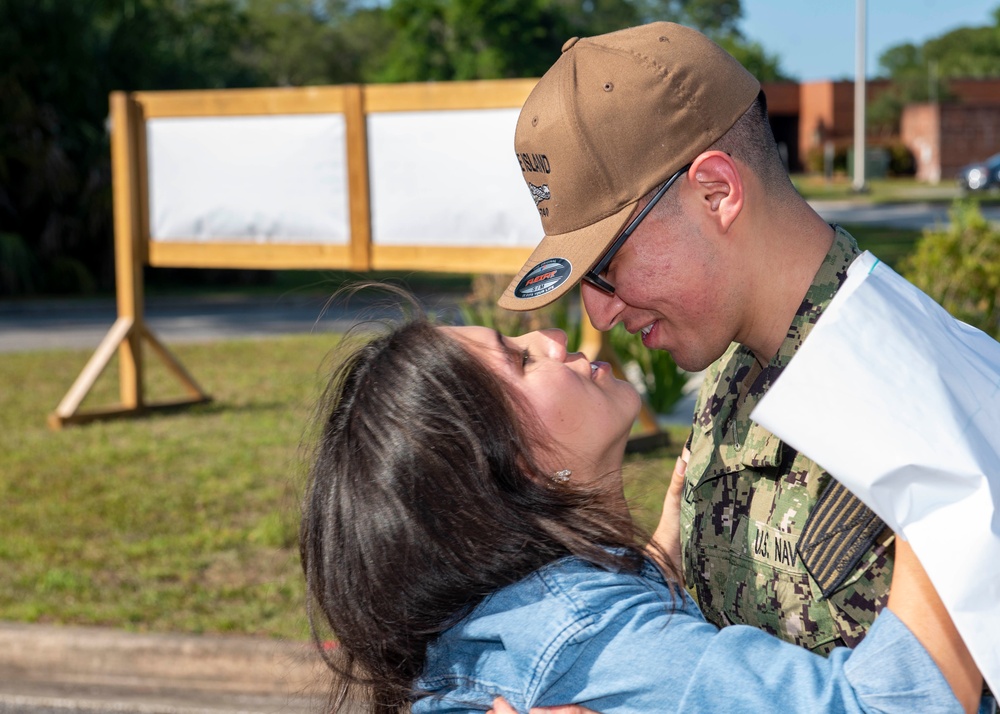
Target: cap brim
(581, 249)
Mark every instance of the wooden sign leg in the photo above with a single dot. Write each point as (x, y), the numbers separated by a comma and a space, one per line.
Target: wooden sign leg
(127, 334)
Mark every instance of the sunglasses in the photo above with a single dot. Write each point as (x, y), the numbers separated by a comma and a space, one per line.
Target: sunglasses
(594, 275)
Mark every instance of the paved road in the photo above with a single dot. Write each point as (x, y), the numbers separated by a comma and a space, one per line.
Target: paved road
(43, 324)
(899, 215)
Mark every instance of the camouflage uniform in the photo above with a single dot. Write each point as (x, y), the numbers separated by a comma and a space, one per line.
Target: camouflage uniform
(769, 538)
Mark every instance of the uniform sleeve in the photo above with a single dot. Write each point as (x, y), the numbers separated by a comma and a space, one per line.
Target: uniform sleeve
(637, 657)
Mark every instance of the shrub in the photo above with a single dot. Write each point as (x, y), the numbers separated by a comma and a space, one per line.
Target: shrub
(815, 160)
(901, 161)
(959, 266)
(18, 270)
(480, 308)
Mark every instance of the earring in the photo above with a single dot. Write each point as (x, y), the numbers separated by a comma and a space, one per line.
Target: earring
(561, 476)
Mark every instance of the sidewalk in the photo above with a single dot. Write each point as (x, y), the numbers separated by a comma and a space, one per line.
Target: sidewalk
(48, 668)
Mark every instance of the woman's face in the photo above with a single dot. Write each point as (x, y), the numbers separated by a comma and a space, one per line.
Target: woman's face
(585, 412)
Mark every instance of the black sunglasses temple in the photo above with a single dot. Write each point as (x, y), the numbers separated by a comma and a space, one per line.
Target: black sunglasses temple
(593, 276)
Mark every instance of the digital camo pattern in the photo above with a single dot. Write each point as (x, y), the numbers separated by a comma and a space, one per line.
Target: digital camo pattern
(748, 496)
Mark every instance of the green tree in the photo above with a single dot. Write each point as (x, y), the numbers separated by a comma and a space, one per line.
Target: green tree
(483, 39)
(300, 42)
(752, 55)
(59, 59)
(716, 18)
(920, 73)
(472, 39)
(49, 138)
(964, 52)
(959, 267)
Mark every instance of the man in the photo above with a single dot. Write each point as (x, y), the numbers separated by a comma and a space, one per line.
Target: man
(659, 185)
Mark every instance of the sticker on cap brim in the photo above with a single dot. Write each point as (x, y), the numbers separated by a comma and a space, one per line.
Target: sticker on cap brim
(543, 278)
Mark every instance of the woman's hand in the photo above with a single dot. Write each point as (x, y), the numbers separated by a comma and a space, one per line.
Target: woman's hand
(668, 533)
(500, 706)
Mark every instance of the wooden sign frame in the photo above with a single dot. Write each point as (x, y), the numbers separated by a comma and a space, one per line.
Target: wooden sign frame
(134, 247)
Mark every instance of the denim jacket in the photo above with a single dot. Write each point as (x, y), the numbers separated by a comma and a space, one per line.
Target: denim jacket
(574, 633)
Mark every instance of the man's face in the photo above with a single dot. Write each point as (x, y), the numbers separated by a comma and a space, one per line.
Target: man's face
(674, 285)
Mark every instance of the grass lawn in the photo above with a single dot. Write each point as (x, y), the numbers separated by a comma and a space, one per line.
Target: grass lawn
(887, 190)
(182, 521)
(888, 244)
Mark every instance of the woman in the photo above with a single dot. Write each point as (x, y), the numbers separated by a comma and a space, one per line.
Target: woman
(465, 536)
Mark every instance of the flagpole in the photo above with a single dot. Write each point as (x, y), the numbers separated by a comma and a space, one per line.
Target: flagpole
(859, 97)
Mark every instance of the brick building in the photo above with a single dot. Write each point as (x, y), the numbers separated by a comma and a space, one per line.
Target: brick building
(941, 136)
(945, 137)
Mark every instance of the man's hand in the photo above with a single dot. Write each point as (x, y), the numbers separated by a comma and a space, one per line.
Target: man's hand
(668, 532)
(500, 706)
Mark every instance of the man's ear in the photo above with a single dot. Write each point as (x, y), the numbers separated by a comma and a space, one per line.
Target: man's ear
(718, 185)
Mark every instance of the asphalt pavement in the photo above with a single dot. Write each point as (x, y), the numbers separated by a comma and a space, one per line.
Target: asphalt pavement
(27, 325)
(916, 215)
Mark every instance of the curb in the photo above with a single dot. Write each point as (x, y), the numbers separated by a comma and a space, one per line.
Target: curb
(97, 669)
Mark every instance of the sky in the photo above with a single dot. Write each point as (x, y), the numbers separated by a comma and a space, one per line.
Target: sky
(814, 39)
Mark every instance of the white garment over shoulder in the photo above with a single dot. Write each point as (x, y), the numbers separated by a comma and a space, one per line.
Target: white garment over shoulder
(916, 395)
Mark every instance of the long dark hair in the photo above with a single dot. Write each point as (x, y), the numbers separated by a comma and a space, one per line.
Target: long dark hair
(423, 499)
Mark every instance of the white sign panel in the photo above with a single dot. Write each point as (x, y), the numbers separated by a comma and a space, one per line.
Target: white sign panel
(449, 178)
(266, 179)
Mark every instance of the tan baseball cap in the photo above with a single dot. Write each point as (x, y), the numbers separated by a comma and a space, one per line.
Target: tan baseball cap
(612, 119)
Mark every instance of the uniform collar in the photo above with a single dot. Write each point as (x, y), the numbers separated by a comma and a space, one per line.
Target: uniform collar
(741, 382)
